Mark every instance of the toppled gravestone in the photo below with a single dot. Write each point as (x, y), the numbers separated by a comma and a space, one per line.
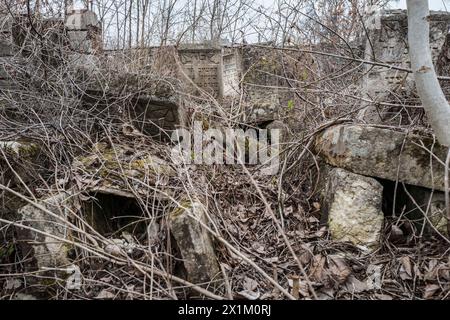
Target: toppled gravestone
(384, 153)
(352, 205)
(195, 243)
(105, 171)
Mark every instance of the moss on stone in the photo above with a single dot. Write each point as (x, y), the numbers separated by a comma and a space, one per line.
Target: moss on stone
(108, 160)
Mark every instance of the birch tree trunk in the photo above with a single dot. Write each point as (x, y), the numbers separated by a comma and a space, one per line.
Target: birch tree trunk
(428, 87)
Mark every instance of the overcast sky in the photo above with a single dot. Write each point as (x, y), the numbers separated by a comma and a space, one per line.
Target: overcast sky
(434, 4)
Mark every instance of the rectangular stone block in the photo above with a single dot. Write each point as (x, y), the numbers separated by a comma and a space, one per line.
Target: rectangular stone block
(352, 208)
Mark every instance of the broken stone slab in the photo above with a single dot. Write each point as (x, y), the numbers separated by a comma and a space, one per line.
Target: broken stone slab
(157, 109)
(17, 167)
(46, 251)
(84, 42)
(352, 207)
(158, 117)
(114, 170)
(384, 153)
(195, 243)
(21, 149)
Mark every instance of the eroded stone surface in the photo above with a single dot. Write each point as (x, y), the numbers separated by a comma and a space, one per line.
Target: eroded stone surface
(384, 153)
(48, 251)
(194, 243)
(352, 206)
(21, 149)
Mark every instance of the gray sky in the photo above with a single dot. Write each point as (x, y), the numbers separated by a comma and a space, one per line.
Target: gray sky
(434, 4)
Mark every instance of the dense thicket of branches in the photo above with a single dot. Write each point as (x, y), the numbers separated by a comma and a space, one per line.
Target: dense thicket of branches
(138, 23)
(267, 232)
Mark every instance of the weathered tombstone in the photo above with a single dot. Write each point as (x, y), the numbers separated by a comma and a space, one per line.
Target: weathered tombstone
(387, 42)
(84, 31)
(202, 64)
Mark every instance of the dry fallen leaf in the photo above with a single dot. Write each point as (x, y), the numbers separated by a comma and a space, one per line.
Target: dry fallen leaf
(430, 290)
(396, 235)
(431, 273)
(383, 297)
(353, 285)
(250, 284)
(306, 254)
(313, 220)
(406, 268)
(373, 280)
(250, 295)
(258, 247)
(301, 288)
(326, 294)
(317, 270)
(338, 268)
(12, 284)
(105, 294)
(316, 206)
(115, 247)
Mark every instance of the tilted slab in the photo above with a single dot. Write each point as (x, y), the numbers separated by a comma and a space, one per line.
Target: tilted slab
(43, 240)
(384, 153)
(195, 243)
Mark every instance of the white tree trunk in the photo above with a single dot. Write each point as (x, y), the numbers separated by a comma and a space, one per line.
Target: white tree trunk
(428, 87)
